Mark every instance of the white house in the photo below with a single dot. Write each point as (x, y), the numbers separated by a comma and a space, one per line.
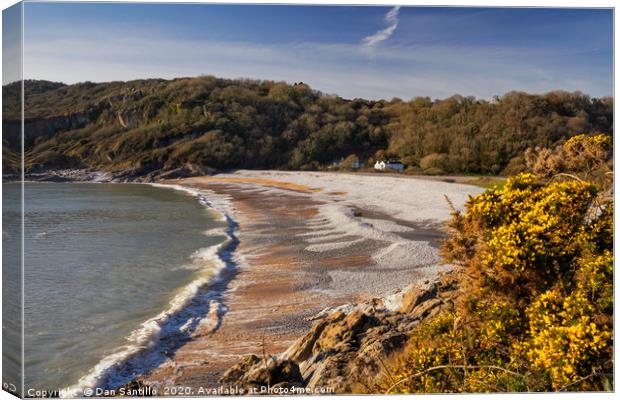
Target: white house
(393, 165)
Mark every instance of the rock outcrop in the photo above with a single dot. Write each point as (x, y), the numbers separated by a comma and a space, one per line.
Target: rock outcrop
(257, 373)
(346, 349)
(141, 174)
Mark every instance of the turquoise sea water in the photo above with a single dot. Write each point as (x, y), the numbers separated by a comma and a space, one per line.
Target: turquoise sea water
(100, 260)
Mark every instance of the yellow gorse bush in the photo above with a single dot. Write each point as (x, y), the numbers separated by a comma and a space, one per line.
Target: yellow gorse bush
(583, 140)
(536, 304)
(532, 223)
(564, 336)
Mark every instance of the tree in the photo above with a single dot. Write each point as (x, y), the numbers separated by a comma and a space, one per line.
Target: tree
(351, 162)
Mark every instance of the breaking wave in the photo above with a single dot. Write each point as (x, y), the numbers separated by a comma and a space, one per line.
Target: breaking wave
(198, 304)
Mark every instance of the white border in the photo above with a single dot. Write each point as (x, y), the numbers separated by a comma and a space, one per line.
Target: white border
(461, 3)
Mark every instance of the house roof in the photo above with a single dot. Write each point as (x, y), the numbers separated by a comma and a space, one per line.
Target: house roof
(389, 162)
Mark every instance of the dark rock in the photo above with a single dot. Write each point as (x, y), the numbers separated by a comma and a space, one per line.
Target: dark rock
(254, 371)
(236, 372)
(135, 388)
(276, 372)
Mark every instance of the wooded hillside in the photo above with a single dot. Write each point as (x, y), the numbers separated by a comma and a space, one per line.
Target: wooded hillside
(206, 122)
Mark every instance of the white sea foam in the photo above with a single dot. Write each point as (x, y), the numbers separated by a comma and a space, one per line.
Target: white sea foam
(196, 306)
(215, 232)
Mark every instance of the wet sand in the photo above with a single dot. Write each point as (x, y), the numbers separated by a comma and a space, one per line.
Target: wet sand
(282, 281)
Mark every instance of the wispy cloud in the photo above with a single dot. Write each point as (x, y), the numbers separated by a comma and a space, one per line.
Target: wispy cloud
(391, 18)
(403, 71)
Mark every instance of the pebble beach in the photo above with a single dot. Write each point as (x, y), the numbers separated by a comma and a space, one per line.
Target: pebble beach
(309, 242)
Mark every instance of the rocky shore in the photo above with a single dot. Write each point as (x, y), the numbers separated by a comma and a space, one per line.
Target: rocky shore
(335, 270)
(346, 350)
(120, 176)
(333, 273)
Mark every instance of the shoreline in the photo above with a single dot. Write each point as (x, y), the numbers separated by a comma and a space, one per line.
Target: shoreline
(172, 325)
(307, 251)
(299, 247)
(96, 176)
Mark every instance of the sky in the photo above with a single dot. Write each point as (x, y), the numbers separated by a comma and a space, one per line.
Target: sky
(353, 51)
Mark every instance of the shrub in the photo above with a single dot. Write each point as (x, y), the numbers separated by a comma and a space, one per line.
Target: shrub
(349, 162)
(535, 309)
(587, 157)
(435, 163)
(516, 165)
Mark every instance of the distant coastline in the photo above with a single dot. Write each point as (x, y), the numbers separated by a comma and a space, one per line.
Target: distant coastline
(166, 129)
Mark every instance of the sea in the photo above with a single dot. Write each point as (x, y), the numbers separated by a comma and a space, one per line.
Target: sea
(111, 272)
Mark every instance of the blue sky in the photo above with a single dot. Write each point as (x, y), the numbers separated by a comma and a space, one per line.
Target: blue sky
(370, 52)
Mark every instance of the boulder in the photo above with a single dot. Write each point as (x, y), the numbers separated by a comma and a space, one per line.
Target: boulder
(345, 350)
(256, 372)
(237, 372)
